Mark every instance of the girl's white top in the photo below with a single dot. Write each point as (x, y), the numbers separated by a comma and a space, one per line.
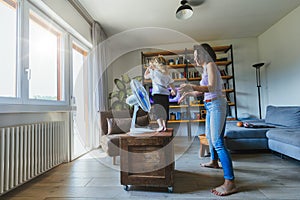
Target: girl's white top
(160, 82)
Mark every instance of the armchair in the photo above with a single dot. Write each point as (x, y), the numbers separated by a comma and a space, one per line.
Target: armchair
(114, 124)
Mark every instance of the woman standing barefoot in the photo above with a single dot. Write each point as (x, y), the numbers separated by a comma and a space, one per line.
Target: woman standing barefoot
(216, 106)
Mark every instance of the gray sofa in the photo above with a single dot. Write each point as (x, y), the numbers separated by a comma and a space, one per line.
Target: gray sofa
(283, 137)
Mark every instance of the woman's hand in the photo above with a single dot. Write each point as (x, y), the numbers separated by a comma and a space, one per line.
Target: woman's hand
(185, 88)
(187, 94)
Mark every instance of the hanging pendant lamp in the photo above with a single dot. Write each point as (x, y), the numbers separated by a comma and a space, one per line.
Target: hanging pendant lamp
(185, 11)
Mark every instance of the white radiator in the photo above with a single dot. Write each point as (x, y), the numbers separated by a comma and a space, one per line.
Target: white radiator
(29, 150)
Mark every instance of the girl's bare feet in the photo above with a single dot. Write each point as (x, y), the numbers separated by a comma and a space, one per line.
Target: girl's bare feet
(227, 188)
(212, 164)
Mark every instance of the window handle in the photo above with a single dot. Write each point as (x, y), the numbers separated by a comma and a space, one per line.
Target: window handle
(73, 100)
(28, 71)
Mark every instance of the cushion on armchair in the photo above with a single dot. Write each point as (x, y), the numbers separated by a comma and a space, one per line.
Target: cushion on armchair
(142, 120)
(118, 125)
(288, 116)
(114, 124)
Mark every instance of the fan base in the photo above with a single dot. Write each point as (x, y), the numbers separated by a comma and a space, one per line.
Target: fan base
(141, 130)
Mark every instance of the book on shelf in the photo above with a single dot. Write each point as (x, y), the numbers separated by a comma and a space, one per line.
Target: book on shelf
(178, 116)
(223, 72)
(194, 74)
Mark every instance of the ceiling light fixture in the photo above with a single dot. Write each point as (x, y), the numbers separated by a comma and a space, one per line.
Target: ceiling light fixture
(185, 11)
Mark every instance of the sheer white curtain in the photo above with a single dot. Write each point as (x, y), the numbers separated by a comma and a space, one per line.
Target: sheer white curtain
(98, 82)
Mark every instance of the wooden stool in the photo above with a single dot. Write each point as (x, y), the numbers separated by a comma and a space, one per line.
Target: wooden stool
(204, 146)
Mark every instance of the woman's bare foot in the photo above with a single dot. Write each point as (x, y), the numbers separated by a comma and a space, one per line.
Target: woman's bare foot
(227, 188)
(212, 164)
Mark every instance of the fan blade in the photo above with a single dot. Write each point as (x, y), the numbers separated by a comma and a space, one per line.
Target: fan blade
(195, 2)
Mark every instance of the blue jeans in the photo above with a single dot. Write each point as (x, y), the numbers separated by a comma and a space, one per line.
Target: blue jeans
(214, 130)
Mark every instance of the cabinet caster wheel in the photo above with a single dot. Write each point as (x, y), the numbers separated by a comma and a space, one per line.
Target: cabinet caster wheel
(170, 189)
(126, 187)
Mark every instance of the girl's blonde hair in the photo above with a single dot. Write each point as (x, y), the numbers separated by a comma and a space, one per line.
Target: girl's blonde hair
(161, 64)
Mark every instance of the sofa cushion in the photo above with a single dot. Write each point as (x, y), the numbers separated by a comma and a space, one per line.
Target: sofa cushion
(233, 131)
(142, 118)
(288, 136)
(242, 132)
(111, 114)
(118, 125)
(288, 116)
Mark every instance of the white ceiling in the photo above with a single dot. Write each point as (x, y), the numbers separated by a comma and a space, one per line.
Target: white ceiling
(213, 20)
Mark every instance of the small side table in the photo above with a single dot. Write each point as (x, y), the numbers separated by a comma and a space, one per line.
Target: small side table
(204, 146)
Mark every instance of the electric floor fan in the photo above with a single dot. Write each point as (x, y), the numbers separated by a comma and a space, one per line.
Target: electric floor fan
(139, 98)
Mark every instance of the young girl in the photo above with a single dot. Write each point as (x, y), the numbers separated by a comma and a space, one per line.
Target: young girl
(161, 80)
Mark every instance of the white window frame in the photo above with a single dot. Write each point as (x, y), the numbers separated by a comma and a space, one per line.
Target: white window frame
(22, 103)
(85, 48)
(17, 99)
(88, 50)
(25, 90)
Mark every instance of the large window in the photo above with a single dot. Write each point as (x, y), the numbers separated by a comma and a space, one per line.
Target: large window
(8, 48)
(32, 54)
(45, 63)
(36, 55)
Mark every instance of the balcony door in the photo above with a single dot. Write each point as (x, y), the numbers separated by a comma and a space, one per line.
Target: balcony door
(80, 131)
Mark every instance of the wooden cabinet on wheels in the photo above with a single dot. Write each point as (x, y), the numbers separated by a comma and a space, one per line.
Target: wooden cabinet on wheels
(147, 160)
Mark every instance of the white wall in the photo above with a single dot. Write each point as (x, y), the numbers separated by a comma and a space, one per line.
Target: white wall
(280, 45)
(245, 53)
(130, 64)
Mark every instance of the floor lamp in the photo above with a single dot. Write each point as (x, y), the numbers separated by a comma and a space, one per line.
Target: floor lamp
(257, 66)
